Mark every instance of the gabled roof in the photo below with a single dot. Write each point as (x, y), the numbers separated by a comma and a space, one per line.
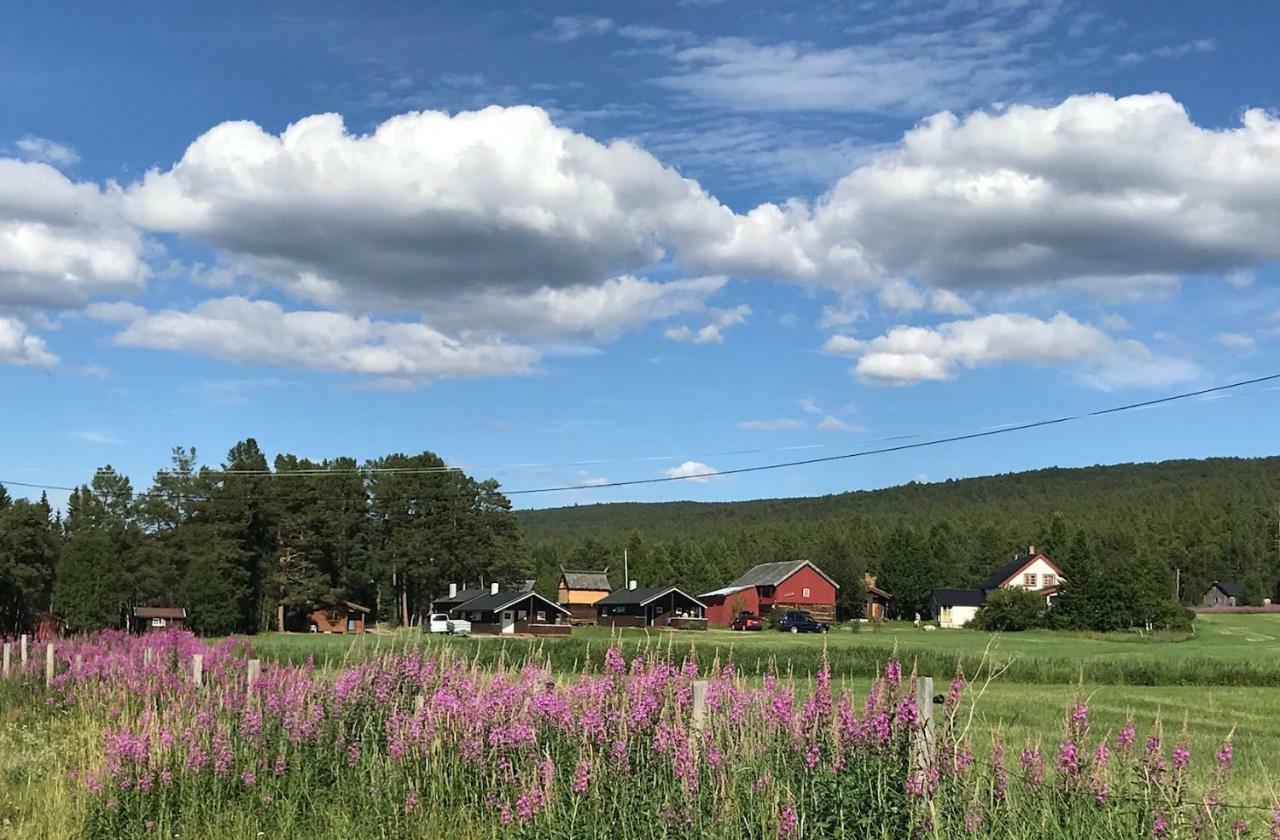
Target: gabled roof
(772, 574)
(723, 591)
(159, 612)
(1230, 588)
(595, 581)
(643, 595)
(948, 597)
(502, 599)
(1017, 564)
(462, 597)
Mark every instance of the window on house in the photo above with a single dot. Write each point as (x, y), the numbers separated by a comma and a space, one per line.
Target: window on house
(1050, 580)
(1029, 579)
(805, 592)
(157, 622)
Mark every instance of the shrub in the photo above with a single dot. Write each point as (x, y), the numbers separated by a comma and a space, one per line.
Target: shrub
(1011, 610)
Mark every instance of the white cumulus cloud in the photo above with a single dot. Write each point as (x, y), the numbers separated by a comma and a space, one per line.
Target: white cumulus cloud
(907, 355)
(262, 332)
(19, 347)
(44, 150)
(694, 471)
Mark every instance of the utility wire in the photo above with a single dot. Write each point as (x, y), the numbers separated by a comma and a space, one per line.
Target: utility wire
(711, 474)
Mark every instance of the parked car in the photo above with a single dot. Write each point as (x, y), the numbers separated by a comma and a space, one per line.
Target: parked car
(747, 620)
(438, 623)
(459, 627)
(801, 622)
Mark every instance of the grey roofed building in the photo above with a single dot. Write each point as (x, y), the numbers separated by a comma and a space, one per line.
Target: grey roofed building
(461, 597)
(1230, 587)
(503, 598)
(642, 595)
(772, 574)
(597, 581)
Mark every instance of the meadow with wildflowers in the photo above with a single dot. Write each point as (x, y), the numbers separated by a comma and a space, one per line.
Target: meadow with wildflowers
(416, 743)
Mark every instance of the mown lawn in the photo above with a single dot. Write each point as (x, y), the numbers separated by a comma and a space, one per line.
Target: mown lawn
(1227, 650)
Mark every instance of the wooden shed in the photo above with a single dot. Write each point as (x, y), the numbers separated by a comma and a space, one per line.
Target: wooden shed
(342, 617)
(580, 591)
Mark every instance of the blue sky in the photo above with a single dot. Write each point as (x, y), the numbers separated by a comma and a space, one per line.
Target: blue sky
(563, 243)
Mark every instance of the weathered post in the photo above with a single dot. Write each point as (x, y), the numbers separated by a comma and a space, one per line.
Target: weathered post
(48, 665)
(197, 670)
(8, 658)
(699, 719)
(23, 645)
(251, 675)
(146, 656)
(418, 703)
(924, 737)
(79, 662)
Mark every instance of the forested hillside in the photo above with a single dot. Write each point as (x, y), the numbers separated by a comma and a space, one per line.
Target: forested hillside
(1138, 523)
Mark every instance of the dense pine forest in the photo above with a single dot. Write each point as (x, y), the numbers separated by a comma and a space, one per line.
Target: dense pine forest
(1123, 533)
(235, 542)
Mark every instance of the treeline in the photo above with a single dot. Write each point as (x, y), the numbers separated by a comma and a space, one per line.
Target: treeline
(1129, 536)
(236, 543)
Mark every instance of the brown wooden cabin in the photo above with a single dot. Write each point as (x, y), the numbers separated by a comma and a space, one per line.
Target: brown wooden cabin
(580, 591)
(506, 611)
(343, 617)
(651, 606)
(877, 599)
(147, 619)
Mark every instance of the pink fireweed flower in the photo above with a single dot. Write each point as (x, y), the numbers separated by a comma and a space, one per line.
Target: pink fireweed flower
(248, 778)
(1181, 757)
(787, 821)
(411, 801)
(812, 755)
(1275, 822)
(582, 777)
(1239, 827)
(353, 754)
(955, 692)
(614, 663)
(1033, 766)
(1224, 757)
(893, 674)
(280, 765)
(762, 782)
(1160, 826)
(1068, 759)
(1126, 737)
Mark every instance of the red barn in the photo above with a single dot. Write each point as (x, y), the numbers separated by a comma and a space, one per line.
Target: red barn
(769, 586)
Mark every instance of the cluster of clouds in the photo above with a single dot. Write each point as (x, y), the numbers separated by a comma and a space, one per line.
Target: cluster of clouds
(459, 245)
(827, 421)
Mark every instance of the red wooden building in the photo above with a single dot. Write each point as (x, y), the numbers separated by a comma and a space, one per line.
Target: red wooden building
(342, 617)
(769, 586)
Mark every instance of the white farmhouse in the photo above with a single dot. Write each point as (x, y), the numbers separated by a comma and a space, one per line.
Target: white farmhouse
(1029, 570)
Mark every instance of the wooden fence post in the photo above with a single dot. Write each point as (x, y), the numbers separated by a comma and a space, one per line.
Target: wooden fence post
(8, 658)
(197, 670)
(251, 675)
(23, 640)
(699, 705)
(48, 665)
(924, 738)
(79, 661)
(418, 702)
(146, 656)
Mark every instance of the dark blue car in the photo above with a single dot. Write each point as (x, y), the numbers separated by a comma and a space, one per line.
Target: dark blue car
(800, 622)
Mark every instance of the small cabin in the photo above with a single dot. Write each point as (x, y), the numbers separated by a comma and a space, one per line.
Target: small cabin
(877, 600)
(507, 611)
(342, 617)
(147, 619)
(651, 606)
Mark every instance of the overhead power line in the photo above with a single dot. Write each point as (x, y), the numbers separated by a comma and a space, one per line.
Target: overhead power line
(711, 474)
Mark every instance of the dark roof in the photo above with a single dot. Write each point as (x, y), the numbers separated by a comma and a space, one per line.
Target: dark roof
(643, 595)
(875, 590)
(598, 581)
(1008, 570)
(159, 612)
(502, 599)
(772, 574)
(528, 585)
(462, 597)
(947, 597)
(1230, 588)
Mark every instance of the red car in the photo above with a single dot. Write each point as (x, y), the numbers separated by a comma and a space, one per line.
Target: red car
(747, 621)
